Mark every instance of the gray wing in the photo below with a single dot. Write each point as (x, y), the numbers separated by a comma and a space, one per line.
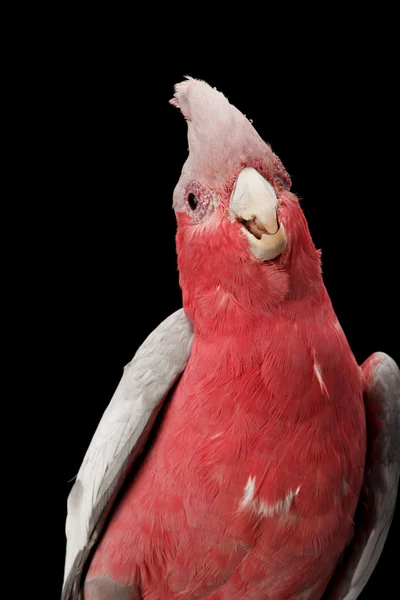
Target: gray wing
(378, 501)
(119, 439)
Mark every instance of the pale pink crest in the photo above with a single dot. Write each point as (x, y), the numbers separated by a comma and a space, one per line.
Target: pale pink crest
(221, 140)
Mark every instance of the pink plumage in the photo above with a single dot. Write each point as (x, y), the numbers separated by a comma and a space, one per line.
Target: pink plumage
(250, 485)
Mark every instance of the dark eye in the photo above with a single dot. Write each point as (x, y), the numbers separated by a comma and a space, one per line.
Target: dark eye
(192, 201)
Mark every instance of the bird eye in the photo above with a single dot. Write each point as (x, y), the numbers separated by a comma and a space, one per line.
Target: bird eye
(192, 201)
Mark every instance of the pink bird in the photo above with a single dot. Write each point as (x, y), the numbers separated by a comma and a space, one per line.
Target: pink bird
(248, 486)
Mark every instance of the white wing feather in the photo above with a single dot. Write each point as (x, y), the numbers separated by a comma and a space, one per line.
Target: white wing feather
(145, 383)
(378, 503)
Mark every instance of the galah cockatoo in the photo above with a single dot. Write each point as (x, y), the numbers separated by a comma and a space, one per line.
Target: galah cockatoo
(270, 434)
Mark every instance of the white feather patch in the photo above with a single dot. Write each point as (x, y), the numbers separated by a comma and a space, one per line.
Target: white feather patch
(262, 508)
(280, 507)
(318, 374)
(248, 491)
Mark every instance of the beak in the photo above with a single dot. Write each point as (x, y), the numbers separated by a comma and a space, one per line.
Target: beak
(254, 204)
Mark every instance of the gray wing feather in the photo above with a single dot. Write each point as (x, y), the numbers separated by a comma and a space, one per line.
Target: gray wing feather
(378, 501)
(119, 439)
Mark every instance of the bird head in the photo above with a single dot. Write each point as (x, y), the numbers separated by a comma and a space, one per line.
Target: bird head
(243, 243)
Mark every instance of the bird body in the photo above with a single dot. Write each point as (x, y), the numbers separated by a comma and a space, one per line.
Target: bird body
(250, 487)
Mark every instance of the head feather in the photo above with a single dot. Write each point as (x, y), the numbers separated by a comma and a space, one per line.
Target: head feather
(221, 139)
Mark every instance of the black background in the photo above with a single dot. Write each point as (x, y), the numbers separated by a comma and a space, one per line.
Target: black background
(111, 150)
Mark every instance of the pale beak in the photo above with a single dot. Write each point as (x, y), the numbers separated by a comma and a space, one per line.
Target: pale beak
(254, 204)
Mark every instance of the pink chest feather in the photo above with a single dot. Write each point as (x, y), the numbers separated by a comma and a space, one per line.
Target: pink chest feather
(252, 476)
